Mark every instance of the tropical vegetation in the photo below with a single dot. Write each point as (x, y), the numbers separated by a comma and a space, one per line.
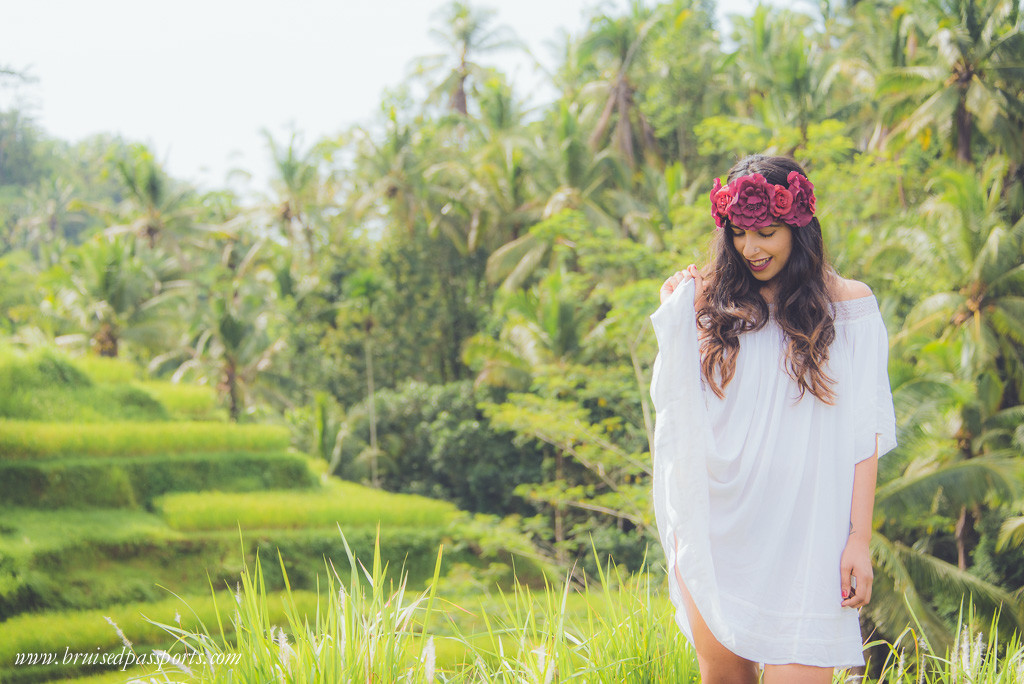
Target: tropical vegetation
(452, 301)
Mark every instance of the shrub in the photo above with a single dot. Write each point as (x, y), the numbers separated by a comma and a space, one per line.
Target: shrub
(437, 443)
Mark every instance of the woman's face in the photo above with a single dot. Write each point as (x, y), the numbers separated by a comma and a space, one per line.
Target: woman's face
(764, 251)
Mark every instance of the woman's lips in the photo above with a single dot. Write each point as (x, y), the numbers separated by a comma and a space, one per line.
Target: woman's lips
(759, 264)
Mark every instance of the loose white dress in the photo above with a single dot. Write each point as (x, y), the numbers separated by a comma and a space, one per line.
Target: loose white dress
(752, 492)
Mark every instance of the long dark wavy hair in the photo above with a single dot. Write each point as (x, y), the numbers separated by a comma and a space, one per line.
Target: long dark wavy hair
(732, 303)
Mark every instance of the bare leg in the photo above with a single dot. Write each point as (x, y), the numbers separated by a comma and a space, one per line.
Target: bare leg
(797, 674)
(718, 665)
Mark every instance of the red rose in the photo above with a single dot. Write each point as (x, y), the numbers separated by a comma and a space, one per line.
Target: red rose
(721, 198)
(751, 206)
(802, 210)
(782, 201)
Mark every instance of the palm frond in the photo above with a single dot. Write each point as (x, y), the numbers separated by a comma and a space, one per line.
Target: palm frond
(962, 483)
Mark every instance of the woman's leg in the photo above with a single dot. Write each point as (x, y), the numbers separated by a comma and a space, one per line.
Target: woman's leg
(797, 674)
(718, 665)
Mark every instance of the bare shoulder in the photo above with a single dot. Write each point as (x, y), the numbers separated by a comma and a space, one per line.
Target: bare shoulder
(844, 289)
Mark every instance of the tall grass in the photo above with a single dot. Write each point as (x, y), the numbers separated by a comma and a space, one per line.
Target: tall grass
(366, 631)
(29, 439)
(85, 630)
(347, 503)
(370, 630)
(978, 657)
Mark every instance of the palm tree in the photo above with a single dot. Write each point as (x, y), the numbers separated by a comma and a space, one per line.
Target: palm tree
(156, 208)
(113, 293)
(573, 182)
(938, 480)
(782, 69)
(980, 258)
(52, 206)
(971, 79)
(237, 333)
(388, 176)
(364, 288)
(303, 194)
(618, 43)
(491, 197)
(467, 32)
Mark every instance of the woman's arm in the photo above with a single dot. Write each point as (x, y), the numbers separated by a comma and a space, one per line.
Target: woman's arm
(856, 559)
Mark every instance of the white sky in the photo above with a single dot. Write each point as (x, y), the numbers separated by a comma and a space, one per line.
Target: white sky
(197, 80)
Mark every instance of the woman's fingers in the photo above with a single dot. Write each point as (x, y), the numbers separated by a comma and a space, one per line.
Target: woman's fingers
(856, 588)
(671, 284)
(698, 279)
(690, 273)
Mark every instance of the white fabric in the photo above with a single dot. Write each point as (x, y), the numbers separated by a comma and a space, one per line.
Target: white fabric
(752, 492)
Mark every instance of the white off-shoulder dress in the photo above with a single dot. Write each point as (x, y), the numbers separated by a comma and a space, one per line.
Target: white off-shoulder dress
(752, 492)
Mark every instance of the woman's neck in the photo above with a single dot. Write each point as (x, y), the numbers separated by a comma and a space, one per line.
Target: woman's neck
(767, 291)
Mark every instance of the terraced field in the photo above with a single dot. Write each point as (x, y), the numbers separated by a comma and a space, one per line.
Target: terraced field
(108, 509)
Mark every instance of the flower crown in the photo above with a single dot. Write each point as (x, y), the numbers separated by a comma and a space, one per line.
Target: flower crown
(751, 202)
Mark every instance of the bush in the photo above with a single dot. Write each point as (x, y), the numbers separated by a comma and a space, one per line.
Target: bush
(135, 481)
(437, 443)
(32, 440)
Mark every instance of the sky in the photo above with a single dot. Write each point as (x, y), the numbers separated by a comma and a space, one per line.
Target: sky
(199, 80)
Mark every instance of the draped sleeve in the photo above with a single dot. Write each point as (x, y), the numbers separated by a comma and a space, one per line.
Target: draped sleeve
(682, 443)
(875, 416)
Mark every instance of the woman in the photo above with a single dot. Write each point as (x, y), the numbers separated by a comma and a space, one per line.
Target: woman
(773, 406)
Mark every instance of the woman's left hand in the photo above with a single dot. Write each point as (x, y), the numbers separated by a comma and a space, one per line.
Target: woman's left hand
(855, 568)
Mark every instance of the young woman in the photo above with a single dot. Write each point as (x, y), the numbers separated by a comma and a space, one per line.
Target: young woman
(773, 406)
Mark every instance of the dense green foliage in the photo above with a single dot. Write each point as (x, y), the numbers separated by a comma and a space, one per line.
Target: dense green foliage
(453, 300)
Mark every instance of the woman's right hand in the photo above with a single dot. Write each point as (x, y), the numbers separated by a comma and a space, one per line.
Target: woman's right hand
(679, 277)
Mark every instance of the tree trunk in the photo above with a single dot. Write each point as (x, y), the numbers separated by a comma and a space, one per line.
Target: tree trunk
(560, 509)
(231, 384)
(371, 408)
(963, 130)
(106, 340)
(963, 525)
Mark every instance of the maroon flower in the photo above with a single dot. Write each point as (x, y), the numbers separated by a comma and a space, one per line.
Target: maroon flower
(751, 206)
(782, 201)
(804, 202)
(721, 198)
